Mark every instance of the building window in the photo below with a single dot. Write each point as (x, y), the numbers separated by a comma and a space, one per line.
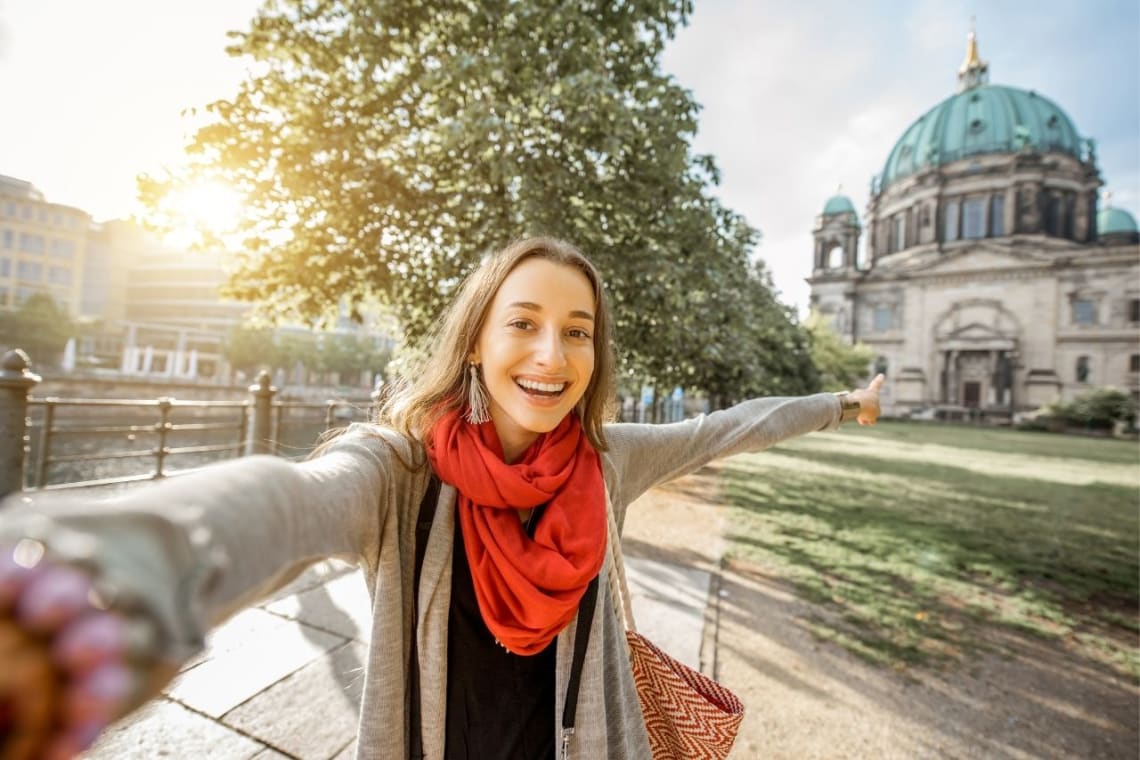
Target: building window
(881, 319)
(4, 296)
(1134, 310)
(59, 275)
(31, 243)
(29, 270)
(950, 213)
(62, 249)
(1134, 363)
(898, 233)
(26, 212)
(7, 238)
(835, 258)
(997, 215)
(1084, 311)
(5, 267)
(974, 218)
(881, 365)
(1082, 369)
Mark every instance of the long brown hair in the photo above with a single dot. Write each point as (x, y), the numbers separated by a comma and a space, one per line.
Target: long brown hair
(438, 384)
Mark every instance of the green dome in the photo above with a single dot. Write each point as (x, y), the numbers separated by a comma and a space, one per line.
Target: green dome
(983, 119)
(839, 204)
(1115, 220)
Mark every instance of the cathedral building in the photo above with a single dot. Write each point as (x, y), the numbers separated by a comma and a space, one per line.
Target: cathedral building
(991, 283)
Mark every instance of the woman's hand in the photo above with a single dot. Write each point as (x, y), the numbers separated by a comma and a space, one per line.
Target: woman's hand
(868, 399)
(68, 666)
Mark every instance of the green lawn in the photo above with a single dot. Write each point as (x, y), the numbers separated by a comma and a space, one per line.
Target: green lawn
(925, 543)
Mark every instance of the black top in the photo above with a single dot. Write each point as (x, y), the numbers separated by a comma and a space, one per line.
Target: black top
(500, 706)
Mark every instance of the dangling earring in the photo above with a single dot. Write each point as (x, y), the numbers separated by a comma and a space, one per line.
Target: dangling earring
(476, 399)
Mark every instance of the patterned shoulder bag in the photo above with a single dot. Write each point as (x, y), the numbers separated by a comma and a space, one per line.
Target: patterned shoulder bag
(688, 715)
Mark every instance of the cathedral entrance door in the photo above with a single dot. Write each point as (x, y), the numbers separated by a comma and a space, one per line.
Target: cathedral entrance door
(971, 394)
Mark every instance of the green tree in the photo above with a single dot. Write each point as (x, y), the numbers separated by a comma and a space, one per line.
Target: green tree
(40, 327)
(251, 349)
(1098, 409)
(382, 148)
(758, 349)
(841, 366)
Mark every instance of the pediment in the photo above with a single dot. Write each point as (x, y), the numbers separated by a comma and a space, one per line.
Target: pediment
(974, 332)
(980, 258)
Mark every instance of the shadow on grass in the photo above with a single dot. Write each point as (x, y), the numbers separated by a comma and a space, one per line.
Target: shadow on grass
(917, 563)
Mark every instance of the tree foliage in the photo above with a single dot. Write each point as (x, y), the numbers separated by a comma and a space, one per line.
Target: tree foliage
(39, 326)
(841, 366)
(383, 147)
(1098, 409)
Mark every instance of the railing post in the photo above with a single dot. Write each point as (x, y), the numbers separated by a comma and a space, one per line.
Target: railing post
(261, 437)
(162, 427)
(16, 382)
(44, 459)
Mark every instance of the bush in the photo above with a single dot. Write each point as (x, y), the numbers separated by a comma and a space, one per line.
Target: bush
(1099, 409)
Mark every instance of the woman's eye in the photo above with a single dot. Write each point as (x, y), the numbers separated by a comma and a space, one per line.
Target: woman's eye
(519, 324)
(578, 332)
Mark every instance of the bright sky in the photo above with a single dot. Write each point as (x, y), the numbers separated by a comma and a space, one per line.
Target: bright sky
(798, 97)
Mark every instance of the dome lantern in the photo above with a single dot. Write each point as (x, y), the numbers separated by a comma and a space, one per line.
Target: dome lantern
(974, 71)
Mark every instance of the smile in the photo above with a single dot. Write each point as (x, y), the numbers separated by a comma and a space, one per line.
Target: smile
(536, 388)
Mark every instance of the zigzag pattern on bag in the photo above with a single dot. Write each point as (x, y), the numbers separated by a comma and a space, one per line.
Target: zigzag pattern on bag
(688, 715)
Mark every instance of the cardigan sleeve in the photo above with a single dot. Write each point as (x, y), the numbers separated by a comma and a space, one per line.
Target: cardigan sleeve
(196, 548)
(643, 456)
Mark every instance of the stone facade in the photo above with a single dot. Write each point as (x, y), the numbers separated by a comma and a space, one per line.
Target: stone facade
(993, 325)
(985, 288)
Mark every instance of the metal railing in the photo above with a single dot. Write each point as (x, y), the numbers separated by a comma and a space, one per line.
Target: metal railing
(255, 426)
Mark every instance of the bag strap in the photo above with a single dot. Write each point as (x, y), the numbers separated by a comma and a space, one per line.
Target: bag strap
(581, 639)
(619, 586)
(424, 519)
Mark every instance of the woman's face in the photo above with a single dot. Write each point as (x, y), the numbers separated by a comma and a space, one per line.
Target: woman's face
(536, 349)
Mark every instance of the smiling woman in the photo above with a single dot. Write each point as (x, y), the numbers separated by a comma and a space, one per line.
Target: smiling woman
(489, 630)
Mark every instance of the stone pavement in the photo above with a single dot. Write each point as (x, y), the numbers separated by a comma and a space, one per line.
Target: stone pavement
(283, 679)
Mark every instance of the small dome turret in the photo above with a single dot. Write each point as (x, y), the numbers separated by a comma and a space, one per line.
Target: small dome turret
(840, 205)
(1116, 223)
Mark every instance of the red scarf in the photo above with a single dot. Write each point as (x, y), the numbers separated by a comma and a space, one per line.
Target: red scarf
(528, 590)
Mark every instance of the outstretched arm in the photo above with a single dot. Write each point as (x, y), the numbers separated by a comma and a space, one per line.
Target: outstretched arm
(101, 599)
(643, 456)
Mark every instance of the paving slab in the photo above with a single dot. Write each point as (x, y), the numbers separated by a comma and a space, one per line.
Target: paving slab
(166, 729)
(311, 713)
(341, 605)
(669, 603)
(220, 684)
(253, 623)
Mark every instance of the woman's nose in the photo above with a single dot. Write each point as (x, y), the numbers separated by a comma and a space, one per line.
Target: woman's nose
(549, 352)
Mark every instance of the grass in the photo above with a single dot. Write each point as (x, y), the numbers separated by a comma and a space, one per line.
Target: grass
(923, 544)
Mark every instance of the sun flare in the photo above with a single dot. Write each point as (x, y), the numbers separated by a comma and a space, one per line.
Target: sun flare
(205, 208)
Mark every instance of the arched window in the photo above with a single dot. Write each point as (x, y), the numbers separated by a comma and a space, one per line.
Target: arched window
(950, 221)
(898, 236)
(974, 218)
(1083, 370)
(997, 215)
(835, 257)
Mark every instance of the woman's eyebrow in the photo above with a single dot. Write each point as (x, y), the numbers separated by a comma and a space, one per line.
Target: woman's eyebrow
(530, 306)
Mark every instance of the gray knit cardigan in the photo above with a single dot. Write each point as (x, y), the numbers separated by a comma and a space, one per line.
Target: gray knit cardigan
(198, 548)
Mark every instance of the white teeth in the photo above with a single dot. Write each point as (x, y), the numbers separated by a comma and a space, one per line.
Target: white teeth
(544, 387)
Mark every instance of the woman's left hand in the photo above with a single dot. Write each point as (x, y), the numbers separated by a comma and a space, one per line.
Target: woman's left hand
(868, 399)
